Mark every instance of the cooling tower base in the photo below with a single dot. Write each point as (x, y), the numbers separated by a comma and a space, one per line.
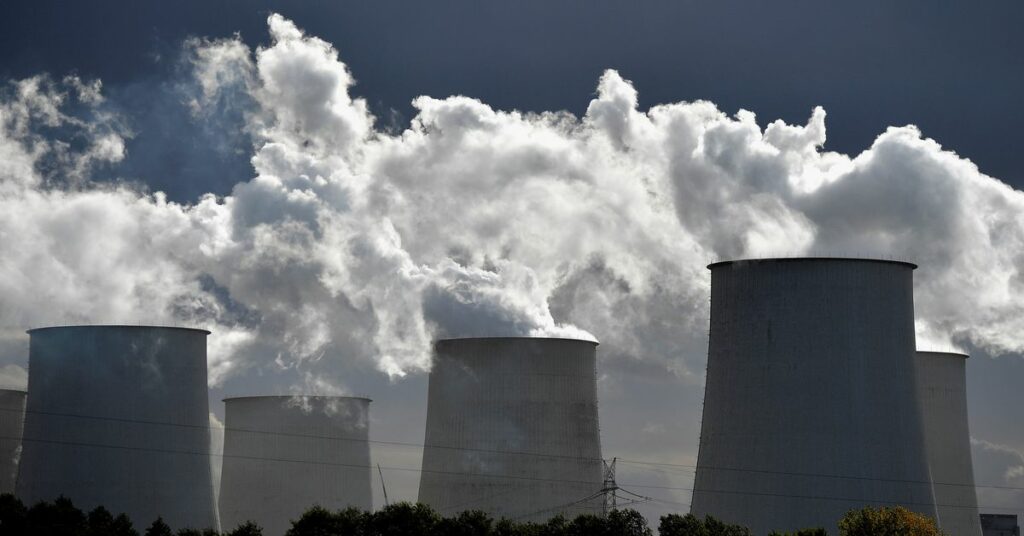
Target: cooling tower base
(810, 407)
(512, 428)
(285, 454)
(117, 416)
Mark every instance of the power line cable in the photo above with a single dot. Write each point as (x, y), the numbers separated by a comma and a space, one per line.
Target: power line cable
(592, 496)
(478, 500)
(226, 429)
(287, 460)
(497, 476)
(819, 475)
(507, 452)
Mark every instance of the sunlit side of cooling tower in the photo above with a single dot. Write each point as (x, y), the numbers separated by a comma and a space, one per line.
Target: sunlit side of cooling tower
(118, 416)
(512, 428)
(942, 390)
(12, 418)
(810, 407)
(285, 454)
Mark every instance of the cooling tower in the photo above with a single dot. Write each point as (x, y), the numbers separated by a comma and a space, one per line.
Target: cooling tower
(512, 428)
(12, 417)
(118, 416)
(942, 390)
(284, 454)
(810, 407)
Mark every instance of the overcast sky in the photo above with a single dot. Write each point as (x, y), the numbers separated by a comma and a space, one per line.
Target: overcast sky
(328, 175)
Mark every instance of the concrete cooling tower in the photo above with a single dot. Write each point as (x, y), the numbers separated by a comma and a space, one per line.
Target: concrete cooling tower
(118, 416)
(512, 428)
(810, 407)
(942, 390)
(285, 454)
(12, 418)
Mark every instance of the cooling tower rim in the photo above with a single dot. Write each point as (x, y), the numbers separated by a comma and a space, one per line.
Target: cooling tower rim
(283, 397)
(521, 338)
(941, 353)
(720, 264)
(116, 326)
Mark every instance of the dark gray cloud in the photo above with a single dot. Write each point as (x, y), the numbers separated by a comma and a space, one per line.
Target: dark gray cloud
(954, 69)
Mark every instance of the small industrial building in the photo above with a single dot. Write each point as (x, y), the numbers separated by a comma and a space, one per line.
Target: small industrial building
(999, 525)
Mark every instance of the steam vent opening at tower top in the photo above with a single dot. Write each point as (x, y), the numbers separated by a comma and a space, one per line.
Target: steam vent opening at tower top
(810, 406)
(512, 428)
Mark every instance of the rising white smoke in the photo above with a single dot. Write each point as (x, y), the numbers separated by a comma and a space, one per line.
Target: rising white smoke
(350, 243)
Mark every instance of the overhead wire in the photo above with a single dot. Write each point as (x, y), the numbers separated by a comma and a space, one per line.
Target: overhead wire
(500, 476)
(691, 468)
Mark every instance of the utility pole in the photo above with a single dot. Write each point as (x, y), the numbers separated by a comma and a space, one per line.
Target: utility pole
(610, 487)
(382, 486)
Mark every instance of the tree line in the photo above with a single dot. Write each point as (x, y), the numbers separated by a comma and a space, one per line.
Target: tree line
(62, 518)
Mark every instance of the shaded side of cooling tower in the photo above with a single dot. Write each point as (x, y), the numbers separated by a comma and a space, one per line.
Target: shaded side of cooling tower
(942, 390)
(285, 454)
(12, 419)
(118, 416)
(810, 407)
(512, 428)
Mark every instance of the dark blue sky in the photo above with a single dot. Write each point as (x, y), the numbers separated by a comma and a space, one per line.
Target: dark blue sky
(954, 70)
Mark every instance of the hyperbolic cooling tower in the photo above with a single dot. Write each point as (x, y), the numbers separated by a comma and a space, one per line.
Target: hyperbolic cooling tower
(118, 416)
(942, 390)
(285, 454)
(810, 407)
(512, 428)
(12, 417)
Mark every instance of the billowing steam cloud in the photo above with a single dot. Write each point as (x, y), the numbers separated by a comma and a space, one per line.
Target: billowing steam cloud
(353, 243)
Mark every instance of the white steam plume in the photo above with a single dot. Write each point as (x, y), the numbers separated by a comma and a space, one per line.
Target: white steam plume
(354, 244)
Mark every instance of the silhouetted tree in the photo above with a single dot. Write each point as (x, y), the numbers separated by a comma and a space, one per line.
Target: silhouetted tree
(248, 528)
(627, 523)
(677, 525)
(690, 525)
(100, 521)
(586, 525)
(353, 522)
(59, 518)
(198, 532)
(319, 521)
(123, 526)
(887, 521)
(716, 527)
(556, 526)
(13, 515)
(159, 528)
(507, 527)
(802, 532)
(404, 519)
(469, 523)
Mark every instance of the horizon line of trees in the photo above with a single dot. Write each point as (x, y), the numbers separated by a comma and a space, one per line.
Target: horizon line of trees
(62, 518)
